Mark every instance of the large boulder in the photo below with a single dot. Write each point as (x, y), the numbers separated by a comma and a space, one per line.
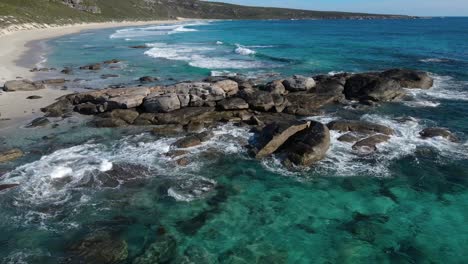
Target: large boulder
(369, 145)
(59, 108)
(276, 87)
(360, 127)
(164, 250)
(10, 155)
(330, 85)
(309, 145)
(259, 100)
(274, 135)
(127, 115)
(432, 132)
(307, 104)
(22, 85)
(299, 83)
(229, 87)
(162, 103)
(410, 78)
(122, 98)
(372, 87)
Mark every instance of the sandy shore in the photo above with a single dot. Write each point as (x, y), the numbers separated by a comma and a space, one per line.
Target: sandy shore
(15, 109)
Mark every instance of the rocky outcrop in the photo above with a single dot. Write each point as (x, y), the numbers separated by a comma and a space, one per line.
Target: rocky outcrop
(360, 127)
(432, 132)
(309, 145)
(162, 103)
(276, 87)
(234, 103)
(10, 155)
(372, 87)
(274, 135)
(22, 85)
(409, 78)
(162, 251)
(100, 247)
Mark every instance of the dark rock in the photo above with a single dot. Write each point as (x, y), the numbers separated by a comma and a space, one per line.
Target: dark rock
(177, 153)
(369, 145)
(21, 85)
(369, 86)
(432, 132)
(127, 115)
(101, 247)
(109, 122)
(234, 103)
(92, 67)
(139, 47)
(168, 129)
(59, 108)
(409, 78)
(7, 186)
(350, 137)
(33, 97)
(276, 87)
(10, 155)
(299, 83)
(67, 71)
(107, 76)
(89, 109)
(39, 122)
(183, 162)
(359, 126)
(259, 100)
(274, 135)
(111, 61)
(51, 82)
(307, 104)
(330, 85)
(147, 79)
(188, 142)
(309, 145)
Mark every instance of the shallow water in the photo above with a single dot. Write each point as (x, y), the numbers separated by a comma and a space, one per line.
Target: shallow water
(404, 204)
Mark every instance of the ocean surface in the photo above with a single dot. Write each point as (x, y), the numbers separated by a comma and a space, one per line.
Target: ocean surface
(406, 203)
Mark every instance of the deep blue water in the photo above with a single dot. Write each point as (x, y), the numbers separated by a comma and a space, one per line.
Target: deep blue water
(404, 204)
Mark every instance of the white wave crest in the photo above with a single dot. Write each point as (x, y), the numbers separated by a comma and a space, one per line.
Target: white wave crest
(445, 88)
(139, 32)
(244, 51)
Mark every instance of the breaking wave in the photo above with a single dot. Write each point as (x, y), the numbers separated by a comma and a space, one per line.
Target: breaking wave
(141, 32)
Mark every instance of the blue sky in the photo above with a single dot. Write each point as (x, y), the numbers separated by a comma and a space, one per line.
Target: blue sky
(407, 7)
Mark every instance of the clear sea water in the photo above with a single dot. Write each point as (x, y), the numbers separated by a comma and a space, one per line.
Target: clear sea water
(407, 203)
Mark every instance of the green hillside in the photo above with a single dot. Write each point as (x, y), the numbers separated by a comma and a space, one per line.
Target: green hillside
(57, 12)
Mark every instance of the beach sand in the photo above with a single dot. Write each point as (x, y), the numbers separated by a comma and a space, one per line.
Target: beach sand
(15, 109)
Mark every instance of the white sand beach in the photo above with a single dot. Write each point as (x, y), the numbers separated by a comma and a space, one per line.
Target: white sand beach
(14, 107)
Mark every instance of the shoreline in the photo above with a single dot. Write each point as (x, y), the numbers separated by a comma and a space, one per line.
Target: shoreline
(15, 47)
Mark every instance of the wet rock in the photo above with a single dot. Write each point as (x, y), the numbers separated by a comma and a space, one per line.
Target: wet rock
(309, 145)
(39, 122)
(139, 47)
(169, 129)
(162, 251)
(10, 155)
(107, 76)
(299, 83)
(330, 85)
(59, 108)
(369, 145)
(276, 87)
(109, 122)
(21, 85)
(92, 67)
(274, 135)
(360, 127)
(147, 79)
(162, 104)
(350, 137)
(121, 174)
(370, 86)
(183, 162)
(177, 153)
(188, 142)
(34, 97)
(432, 132)
(67, 70)
(111, 61)
(127, 115)
(101, 247)
(410, 78)
(234, 103)
(307, 104)
(229, 87)
(7, 186)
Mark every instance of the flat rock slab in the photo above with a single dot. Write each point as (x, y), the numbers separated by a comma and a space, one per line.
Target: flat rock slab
(369, 145)
(359, 126)
(10, 155)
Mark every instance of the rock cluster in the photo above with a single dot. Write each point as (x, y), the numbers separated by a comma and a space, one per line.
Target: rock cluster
(272, 109)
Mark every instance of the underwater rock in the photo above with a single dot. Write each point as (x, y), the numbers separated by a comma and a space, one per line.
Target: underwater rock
(432, 132)
(111, 61)
(162, 251)
(10, 155)
(147, 79)
(188, 142)
(92, 67)
(101, 248)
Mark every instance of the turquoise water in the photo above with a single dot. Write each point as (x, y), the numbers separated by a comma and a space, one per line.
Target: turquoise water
(404, 204)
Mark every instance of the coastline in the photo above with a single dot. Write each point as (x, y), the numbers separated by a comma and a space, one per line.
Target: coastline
(14, 107)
